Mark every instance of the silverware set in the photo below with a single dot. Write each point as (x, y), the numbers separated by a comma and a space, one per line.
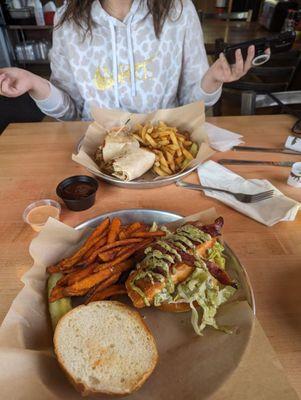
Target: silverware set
(266, 150)
(243, 197)
(229, 161)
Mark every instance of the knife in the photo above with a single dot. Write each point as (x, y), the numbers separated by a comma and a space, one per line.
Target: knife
(266, 150)
(254, 162)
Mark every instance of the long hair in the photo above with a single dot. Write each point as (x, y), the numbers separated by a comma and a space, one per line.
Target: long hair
(79, 12)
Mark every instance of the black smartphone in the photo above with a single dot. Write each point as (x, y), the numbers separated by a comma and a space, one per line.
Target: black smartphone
(278, 44)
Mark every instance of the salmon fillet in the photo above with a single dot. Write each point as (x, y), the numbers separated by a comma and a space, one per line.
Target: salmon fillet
(180, 272)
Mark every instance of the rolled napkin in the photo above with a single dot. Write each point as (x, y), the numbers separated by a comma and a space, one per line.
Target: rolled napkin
(268, 212)
(134, 164)
(118, 143)
(221, 139)
(293, 143)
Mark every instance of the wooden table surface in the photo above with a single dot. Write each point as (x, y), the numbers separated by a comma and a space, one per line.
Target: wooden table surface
(34, 158)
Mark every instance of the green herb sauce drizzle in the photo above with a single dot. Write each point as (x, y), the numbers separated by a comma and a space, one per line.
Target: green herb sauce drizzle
(156, 265)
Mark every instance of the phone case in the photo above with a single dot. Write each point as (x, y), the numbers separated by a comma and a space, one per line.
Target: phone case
(278, 44)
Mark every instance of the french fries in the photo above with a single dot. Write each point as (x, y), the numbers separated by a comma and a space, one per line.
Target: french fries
(81, 288)
(148, 234)
(96, 267)
(113, 290)
(114, 230)
(76, 276)
(122, 257)
(102, 286)
(109, 255)
(119, 243)
(91, 255)
(173, 150)
(69, 262)
(134, 227)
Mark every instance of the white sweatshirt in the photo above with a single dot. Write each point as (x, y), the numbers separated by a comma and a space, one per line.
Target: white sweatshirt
(124, 66)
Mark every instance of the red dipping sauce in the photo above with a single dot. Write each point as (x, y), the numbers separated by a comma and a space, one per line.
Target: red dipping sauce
(78, 190)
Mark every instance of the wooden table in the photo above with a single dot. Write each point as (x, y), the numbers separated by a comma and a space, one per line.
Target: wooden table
(35, 157)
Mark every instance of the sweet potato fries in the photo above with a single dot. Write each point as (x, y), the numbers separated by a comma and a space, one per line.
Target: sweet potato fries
(96, 268)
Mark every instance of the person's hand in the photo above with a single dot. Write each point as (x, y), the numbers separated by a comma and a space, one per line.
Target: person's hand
(16, 81)
(221, 72)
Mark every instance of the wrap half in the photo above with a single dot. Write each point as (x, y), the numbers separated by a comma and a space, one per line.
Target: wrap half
(117, 144)
(134, 164)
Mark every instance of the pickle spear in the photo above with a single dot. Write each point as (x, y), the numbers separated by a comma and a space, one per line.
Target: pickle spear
(58, 308)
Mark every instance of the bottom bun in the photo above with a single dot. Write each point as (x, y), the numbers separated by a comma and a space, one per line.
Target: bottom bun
(175, 307)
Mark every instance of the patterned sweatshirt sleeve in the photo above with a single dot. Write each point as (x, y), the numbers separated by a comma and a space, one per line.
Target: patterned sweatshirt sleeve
(65, 101)
(195, 62)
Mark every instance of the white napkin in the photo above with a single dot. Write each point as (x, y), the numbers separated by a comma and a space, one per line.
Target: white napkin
(221, 139)
(268, 212)
(293, 143)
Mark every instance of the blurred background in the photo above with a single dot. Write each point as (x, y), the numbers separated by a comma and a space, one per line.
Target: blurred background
(25, 41)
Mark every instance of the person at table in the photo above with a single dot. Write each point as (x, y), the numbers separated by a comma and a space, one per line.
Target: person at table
(138, 56)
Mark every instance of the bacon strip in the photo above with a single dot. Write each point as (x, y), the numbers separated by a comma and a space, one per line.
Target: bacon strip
(220, 275)
(214, 229)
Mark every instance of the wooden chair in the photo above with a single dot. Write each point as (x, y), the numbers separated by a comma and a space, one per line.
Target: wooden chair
(290, 58)
(259, 80)
(250, 100)
(262, 79)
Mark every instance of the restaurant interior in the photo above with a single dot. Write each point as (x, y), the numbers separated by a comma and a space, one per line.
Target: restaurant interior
(25, 44)
(183, 222)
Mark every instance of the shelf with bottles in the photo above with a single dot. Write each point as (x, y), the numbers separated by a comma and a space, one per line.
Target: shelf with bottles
(32, 52)
(28, 14)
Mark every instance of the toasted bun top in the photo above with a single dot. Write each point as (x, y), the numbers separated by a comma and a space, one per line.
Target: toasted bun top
(105, 347)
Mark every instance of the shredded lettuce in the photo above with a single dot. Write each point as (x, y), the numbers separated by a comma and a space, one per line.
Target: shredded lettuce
(163, 296)
(203, 289)
(200, 290)
(215, 254)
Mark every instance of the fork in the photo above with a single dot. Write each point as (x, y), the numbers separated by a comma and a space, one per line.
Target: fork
(243, 197)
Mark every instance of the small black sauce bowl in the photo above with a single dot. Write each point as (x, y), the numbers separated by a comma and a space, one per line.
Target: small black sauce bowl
(82, 203)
